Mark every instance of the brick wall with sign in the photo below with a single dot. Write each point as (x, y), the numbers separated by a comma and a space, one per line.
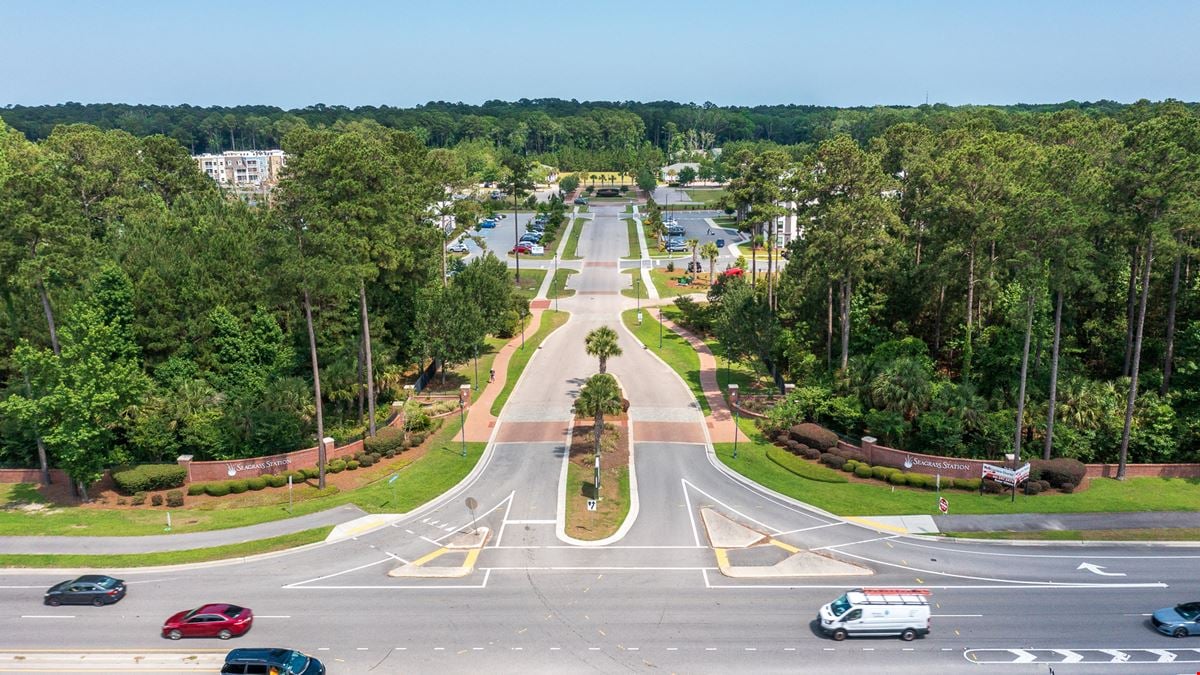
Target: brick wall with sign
(881, 455)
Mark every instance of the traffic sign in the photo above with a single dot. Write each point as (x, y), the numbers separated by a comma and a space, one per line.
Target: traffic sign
(591, 505)
(943, 505)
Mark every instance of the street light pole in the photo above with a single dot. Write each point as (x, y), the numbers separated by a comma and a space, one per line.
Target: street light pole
(476, 366)
(464, 393)
(660, 328)
(554, 281)
(733, 398)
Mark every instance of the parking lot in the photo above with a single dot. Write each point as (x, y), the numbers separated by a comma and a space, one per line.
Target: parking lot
(499, 239)
(695, 227)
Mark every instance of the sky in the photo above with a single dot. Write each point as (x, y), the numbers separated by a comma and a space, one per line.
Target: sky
(731, 52)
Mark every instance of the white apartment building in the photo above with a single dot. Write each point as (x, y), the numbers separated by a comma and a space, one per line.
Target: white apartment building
(243, 168)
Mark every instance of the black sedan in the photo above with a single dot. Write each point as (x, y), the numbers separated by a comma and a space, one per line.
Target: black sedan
(89, 589)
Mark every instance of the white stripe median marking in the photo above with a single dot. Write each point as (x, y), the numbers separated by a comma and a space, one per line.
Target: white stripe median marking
(47, 616)
(272, 616)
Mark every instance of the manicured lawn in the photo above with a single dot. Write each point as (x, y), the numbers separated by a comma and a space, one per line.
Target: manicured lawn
(551, 320)
(635, 251)
(168, 557)
(558, 287)
(877, 499)
(706, 195)
(725, 221)
(531, 281)
(629, 208)
(635, 284)
(582, 208)
(570, 252)
(667, 282)
(675, 351)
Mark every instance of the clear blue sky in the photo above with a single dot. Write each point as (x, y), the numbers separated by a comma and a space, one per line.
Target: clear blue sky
(730, 52)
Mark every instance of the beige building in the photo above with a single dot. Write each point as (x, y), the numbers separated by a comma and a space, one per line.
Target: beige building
(258, 169)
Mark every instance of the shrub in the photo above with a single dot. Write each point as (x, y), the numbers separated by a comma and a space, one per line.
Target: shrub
(175, 499)
(336, 466)
(862, 471)
(1033, 487)
(898, 478)
(239, 486)
(385, 440)
(922, 480)
(352, 465)
(216, 489)
(138, 499)
(416, 438)
(793, 447)
(781, 439)
(1045, 485)
(310, 473)
(850, 466)
(1058, 471)
(833, 460)
(966, 483)
(276, 480)
(811, 453)
(1067, 487)
(375, 456)
(882, 472)
(257, 483)
(196, 489)
(156, 499)
(814, 435)
(365, 461)
(804, 469)
(670, 266)
(147, 477)
(121, 501)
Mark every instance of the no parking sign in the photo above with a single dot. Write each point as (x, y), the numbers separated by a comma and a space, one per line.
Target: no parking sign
(943, 505)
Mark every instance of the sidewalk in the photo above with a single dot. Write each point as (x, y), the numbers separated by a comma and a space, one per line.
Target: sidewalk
(720, 420)
(480, 420)
(178, 542)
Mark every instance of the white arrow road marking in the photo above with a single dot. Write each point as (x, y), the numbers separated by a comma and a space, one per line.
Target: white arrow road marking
(1117, 655)
(1164, 656)
(1023, 656)
(1098, 569)
(1069, 656)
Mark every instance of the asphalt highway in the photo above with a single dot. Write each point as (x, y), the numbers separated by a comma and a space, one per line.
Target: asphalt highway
(532, 601)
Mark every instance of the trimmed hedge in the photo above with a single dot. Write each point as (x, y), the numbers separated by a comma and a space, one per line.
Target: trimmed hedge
(835, 461)
(336, 466)
(967, 483)
(175, 499)
(882, 472)
(897, 478)
(352, 465)
(257, 483)
(197, 489)
(862, 471)
(216, 489)
(814, 435)
(275, 480)
(803, 468)
(387, 439)
(139, 498)
(311, 473)
(237, 487)
(1059, 472)
(147, 477)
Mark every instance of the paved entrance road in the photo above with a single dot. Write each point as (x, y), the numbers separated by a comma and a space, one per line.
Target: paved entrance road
(653, 600)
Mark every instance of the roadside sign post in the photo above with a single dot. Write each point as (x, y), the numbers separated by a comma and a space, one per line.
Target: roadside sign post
(168, 521)
(471, 506)
(597, 481)
(1005, 476)
(289, 493)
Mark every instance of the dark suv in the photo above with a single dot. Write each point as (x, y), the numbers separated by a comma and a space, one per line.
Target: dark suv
(271, 662)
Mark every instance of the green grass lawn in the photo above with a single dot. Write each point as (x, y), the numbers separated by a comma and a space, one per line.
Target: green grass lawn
(628, 208)
(635, 251)
(878, 499)
(706, 195)
(582, 208)
(551, 320)
(666, 282)
(531, 281)
(193, 555)
(570, 253)
(635, 287)
(725, 221)
(676, 351)
(599, 524)
(558, 287)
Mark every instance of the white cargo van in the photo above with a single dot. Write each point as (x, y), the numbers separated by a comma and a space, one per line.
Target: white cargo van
(877, 611)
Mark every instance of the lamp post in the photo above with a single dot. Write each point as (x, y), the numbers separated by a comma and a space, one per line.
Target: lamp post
(476, 366)
(637, 283)
(464, 394)
(733, 399)
(554, 281)
(660, 328)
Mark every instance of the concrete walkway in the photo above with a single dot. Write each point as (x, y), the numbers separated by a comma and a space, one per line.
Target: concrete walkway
(720, 420)
(178, 542)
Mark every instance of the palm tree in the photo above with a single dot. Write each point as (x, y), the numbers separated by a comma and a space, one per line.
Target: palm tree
(602, 343)
(694, 246)
(903, 387)
(710, 252)
(600, 396)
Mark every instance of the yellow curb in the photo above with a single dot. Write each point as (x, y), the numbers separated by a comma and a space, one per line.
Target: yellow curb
(429, 556)
(877, 525)
(722, 559)
(787, 547)
(469, 563)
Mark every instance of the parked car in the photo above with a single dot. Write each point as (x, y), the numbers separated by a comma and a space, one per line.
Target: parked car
(459, 246)
(733, 272)
(541, 219)
(497, 194)
(487, 223)
(1178, 621)
(675, 230)
(221, 620)
(695, 267)
(89, 589)
(523, 247)
(670, 222)
(266, 661)
(532, 236)
(581, 200)
(676, 246)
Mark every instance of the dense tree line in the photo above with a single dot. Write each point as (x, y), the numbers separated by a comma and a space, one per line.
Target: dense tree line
(147, 315)
(980, 289)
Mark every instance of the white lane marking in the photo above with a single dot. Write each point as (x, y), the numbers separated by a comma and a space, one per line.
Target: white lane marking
(1003, 585)
(691, 515)
(672, 649)
(1014, 582)
(400, 649)
(967, 549)
(827, 649)
(439, 649)
(504, 520)
(1070, 656)
(518, 649)
(710, 649)
(1117, 655)
(555, 649)
(814, 527)
(576, 548)
(631, 649)
(47, 616)
(322, 649)
(335, 574)
(593, 649)
(598, 569)
(435, 542)
(774, 530)
(955, 616)
(393, 555)
(545, 521)
(907, 649)
(1163, 655)
(789, 649)
(751, 649)
(272, 616)
(361, 649)
(409, 531)
(854, 543)
(1023, 656)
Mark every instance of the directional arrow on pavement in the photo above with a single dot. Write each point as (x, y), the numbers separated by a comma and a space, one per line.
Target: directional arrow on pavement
(1023, 656)
(1164, 656)
(1070, 656)
(1097, 569)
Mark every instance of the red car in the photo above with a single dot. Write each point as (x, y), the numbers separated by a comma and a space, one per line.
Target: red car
(733, 272)
(522, 248)
(216, 620)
